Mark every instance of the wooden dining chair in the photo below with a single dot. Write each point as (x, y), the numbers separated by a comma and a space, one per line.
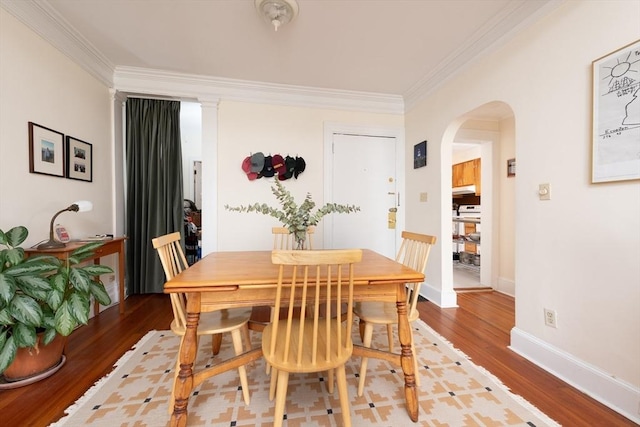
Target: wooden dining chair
(310, 342)
(282, 240)
(212, 323)
(414, 253)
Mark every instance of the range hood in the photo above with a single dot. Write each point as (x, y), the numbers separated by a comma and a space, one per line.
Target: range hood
(467, 189)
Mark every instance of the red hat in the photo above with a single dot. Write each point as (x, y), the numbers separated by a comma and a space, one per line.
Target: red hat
(278, 164)
(246, 167)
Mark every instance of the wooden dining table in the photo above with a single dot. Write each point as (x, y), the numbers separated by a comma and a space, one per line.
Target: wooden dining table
(249, 278)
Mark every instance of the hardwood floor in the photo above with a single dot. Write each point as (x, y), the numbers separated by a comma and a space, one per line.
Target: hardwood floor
(479, 327)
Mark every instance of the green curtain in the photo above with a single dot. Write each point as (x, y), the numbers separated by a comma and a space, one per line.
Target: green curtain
(154, 188)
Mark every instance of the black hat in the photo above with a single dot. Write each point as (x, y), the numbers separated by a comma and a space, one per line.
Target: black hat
(300, 166)
(268, 169)
(290, 165)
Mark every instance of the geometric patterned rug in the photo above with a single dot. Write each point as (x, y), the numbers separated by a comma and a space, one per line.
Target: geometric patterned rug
(454, 392)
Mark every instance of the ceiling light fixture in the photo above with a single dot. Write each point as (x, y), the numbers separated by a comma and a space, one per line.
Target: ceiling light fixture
(277, 12)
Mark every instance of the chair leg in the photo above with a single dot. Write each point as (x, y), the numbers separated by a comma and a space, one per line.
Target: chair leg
(390, 337)
(281, 396)
(237, 347)
(366, 341)
(247, 336)
(216, 342)
(341, 377)
(272, 383)
(330, 381)
(247, 340)
(361, 324)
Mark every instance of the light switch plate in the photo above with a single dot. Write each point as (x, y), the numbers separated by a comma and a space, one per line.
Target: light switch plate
(423, 197)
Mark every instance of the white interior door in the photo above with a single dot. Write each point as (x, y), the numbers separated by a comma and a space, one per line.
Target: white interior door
(364, 174)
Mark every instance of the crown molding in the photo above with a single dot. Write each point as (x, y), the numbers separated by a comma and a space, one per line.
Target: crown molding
(495, 33)
(170, 84)
(45, 21)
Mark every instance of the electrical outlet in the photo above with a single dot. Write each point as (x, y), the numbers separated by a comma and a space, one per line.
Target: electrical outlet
(544, 191)
(423, 197)
(550, 318)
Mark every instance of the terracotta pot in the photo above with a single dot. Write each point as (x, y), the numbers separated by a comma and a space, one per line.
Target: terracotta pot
(35, 360)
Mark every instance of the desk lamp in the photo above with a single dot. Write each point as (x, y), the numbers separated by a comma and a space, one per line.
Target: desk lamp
(79, 206)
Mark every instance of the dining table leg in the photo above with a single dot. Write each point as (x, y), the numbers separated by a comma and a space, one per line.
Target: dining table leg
(406, 355)
(188, 349)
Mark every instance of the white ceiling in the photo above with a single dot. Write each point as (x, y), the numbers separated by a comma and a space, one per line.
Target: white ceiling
(395, 47)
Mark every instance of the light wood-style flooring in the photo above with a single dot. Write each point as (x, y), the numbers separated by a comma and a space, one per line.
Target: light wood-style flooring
(479, 327)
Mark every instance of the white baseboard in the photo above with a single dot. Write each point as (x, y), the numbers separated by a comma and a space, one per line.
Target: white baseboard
(506, 286)
(442, 299)
(617, 395)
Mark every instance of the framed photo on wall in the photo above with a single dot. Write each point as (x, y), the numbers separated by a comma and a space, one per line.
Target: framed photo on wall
(616, 115)
(511, 167)
(46, 151)
(79, 159)
(420, 155)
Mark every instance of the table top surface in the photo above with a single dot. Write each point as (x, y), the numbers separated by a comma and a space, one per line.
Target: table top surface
(234, 269)
(75, 244)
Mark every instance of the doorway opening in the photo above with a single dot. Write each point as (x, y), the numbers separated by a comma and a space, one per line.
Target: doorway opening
(483, 228)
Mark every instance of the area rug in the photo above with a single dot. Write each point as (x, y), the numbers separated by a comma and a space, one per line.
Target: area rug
(454, 392)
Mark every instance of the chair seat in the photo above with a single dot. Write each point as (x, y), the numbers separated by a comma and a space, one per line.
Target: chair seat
(380, 313)
(217, 322)
(277, 359)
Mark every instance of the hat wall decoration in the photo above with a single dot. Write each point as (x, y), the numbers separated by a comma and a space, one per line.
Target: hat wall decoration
(257, 165)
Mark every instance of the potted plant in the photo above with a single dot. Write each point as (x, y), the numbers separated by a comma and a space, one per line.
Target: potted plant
(296, 218)
(43, 297)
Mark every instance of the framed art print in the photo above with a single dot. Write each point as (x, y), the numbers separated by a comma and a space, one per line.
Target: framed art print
(420, 155)
(511, 167)
(46, 151)
(79, 159)
(616, 115)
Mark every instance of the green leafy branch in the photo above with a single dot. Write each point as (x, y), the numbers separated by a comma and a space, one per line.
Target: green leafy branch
(296, 218)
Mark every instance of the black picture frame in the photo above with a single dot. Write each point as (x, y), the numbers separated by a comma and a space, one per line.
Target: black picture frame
(79, 159)
(46, 151)
(420, 155)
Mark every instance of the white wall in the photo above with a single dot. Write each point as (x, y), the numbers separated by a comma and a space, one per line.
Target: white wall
(246, 128)
(577, 253)
(191, 138)
(506, 210)
(40, 84)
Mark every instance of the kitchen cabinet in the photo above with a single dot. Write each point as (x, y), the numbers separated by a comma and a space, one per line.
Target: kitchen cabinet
(467, 173)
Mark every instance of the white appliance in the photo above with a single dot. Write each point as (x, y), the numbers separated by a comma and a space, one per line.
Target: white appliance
(467, 212)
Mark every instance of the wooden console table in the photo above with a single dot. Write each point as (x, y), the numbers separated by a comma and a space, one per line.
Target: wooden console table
(109, 247)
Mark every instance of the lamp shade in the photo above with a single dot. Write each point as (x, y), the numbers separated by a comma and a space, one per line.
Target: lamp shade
(84, 205)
